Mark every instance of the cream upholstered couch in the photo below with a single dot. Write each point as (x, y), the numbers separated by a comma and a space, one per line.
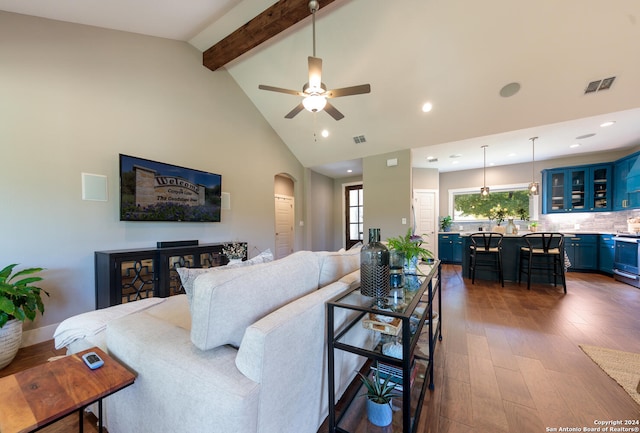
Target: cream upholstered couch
(244, 351)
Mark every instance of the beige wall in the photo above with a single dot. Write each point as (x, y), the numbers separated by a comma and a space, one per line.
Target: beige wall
(319, 212)
(387, 194)
(73, 98)
(426, 178)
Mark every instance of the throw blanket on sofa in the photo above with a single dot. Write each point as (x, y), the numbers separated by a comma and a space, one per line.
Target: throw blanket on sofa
(93, 322)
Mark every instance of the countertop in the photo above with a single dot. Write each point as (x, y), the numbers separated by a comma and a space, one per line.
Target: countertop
(524, 232)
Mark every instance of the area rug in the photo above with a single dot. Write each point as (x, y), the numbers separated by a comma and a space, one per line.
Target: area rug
(623, 367)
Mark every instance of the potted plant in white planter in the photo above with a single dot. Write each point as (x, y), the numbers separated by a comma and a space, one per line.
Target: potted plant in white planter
(19, 300)
(379, 394)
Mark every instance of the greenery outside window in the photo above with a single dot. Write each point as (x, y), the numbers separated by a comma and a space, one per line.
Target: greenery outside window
(507, 201)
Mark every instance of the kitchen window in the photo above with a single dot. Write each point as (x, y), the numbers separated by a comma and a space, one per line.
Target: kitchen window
(465, 204)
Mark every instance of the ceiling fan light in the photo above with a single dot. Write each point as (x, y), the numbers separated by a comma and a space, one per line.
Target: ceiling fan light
(314, 103)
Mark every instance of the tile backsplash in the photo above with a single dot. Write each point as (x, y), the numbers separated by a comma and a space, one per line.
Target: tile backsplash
(566, 222)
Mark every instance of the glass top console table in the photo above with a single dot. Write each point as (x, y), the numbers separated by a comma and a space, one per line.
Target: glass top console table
(399, 340)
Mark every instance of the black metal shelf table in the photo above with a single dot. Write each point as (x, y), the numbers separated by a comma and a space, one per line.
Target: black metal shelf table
(416, 314)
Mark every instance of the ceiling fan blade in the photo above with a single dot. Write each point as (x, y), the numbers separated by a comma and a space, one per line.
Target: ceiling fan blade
(333, 111)
(347, 91)
(280, 89)
(291, 114)
(315, 72)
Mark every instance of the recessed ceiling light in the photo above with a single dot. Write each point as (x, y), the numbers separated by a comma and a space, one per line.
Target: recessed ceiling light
(349, 171)
(575, 145)
(427, 107)
(605, 124)
(455, 162)
(325, 133)
(510, 90)
(429, 158)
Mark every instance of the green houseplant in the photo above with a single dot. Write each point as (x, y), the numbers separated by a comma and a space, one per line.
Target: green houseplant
(445, 223)
(19, 300)
(410, 245)
(379, 393)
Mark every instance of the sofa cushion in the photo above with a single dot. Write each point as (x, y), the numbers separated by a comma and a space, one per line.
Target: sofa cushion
(335, 265)
(189, 275)
(224, 304)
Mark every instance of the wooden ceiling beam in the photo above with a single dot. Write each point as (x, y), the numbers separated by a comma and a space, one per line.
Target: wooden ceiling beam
(280, 16)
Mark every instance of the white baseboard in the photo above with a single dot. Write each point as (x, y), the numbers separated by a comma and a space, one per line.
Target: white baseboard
(38, 335)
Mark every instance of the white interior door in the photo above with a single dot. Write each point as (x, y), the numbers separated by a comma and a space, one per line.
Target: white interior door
(425, 207)
(284, 225)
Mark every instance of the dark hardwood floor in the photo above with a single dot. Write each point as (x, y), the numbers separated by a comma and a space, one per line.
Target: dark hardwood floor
(509, 360)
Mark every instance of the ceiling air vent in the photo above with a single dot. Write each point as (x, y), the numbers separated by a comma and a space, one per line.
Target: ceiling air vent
(432, 159)
(596, 86)
(359, 139)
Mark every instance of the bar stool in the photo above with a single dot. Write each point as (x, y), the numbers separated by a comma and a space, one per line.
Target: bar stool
(486, 250)
(546, 249)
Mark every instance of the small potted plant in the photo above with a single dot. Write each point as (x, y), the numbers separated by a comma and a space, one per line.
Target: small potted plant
(379, 393)
(499, 214)
(19, 300)
(445, 223)
(533, 226)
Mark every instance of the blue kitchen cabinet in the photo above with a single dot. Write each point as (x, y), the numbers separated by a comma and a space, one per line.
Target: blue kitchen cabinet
(606, 252)
(582, 251)
(450, 248)
(577, 189)
(624, 195)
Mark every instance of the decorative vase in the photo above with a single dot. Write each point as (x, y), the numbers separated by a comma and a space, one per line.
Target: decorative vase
(379, 414)
(411, 266)
(10, 339)
(396, 269)
(511, 227)
(374, 269)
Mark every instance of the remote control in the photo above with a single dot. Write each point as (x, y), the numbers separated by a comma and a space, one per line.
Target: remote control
(92, 360)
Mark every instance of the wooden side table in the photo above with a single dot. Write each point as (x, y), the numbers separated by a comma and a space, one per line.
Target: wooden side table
(34, 398)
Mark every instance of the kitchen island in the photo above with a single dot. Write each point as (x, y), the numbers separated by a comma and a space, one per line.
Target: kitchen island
(581, 249)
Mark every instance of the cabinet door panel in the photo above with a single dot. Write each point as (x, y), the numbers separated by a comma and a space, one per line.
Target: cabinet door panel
(578, 190)
(558, 203)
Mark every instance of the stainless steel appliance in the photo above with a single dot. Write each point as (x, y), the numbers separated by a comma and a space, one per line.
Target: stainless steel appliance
(626, 261)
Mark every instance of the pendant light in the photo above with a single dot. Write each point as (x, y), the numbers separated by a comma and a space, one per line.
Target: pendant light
(534, 187)
(484, 191)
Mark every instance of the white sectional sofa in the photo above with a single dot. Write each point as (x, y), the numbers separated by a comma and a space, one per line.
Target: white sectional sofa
(243, 352)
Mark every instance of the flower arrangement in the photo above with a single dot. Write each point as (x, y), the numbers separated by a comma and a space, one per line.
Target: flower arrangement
(234, 250)
(498, 213)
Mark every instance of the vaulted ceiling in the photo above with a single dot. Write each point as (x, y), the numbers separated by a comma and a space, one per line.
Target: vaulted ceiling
(456, 54)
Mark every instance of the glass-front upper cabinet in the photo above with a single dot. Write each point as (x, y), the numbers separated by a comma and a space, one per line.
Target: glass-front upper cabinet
(556, 186)
(601, 178)
(577, 189)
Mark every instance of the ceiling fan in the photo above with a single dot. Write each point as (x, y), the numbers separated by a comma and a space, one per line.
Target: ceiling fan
(315, 92)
